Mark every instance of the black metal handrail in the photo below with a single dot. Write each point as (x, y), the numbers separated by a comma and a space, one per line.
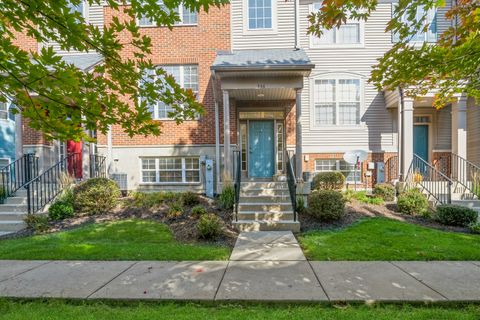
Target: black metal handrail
(292, 183)
(15, 175)
(466, 173)
(237, 179)
(391, 169)
(429, 179)
(45, 187)
(98, 166)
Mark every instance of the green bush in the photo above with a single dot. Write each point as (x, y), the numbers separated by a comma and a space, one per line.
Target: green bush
(190, 198)
(227, 197)
(60, 210)
(385, 191)
(153, 199)
(175, 210)
(36, 222)
(300, 204)
(3, 195)
(474, 227)
(362, 196)
(209, 226)
(198, 211)
(332, 180)
(96, 196)
(413, 202)
(326, 205)
(453, 215)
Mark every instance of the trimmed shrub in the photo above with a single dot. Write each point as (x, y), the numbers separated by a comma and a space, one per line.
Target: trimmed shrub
(209, 226)
(60, 210)
(190, 198)
(175, 210)
(413, 202)
(474, 227)
(385, 191)
(326, 205)
(153, 199)
(453, 215)
(332, 180)
(96, 196)
(226, 199)
(362, 196)
(36, 222)
(198, 211)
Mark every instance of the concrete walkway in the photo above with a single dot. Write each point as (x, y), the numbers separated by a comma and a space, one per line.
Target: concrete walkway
(264, 266)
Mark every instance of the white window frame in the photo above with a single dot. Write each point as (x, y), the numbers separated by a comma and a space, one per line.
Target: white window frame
(85, 8)
(338, 163)
(5, 109)
(336, 77)
(259, 31)
(425, 34)
(157, 171)
(180, 23)
(360, 44)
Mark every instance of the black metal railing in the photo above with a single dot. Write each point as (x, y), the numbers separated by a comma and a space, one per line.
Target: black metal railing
(17, 174)
(427, 178)
(292, 183)
(237, 156)
(45, 187)
(391, 169)
(98, 166)
(466, 173)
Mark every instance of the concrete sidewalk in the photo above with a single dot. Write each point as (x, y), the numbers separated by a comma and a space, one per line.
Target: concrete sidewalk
(263, 267)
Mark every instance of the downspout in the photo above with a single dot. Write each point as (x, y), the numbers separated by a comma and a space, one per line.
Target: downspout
(295, 4)
(402, 135)
(217, 136)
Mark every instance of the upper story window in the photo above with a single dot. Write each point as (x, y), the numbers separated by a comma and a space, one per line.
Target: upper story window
(260, 14)
(79, 7)
(187, 17)
(187, 77)
(430, 34)
(3, 111)
(337, 101)
(349, 33)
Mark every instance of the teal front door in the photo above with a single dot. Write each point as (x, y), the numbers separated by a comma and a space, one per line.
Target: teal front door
(261, 149)
(420, 141)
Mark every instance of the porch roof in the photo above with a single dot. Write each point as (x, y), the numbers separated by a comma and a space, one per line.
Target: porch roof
(265, 59)
(84, 61)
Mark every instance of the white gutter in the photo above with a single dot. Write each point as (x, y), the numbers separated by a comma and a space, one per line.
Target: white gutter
(217, 136)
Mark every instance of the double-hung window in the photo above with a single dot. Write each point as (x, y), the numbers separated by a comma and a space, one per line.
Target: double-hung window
(170, 170)
(349, 33)
(79, 7)
(348, 170)
(187, 17)
(186, 76)
(260, 14)
(337, 102)
(427, 33)
(3, 111)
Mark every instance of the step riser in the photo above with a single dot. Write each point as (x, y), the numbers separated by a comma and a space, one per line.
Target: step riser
(270, 216)
(10, 208)
(263, 185)
(265, 192)
(257, 226)
(264, 207)
(265, 199)
(16, 201)
(467, 203)
(14, 226)
(12, 216)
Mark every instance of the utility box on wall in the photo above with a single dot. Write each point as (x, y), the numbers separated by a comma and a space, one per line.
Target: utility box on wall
(209, 178)
(380, 172)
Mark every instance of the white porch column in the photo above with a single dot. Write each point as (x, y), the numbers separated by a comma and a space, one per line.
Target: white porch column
(406, 138)
(459, 127)
(18, 136)
(298, 135)
(227, 158)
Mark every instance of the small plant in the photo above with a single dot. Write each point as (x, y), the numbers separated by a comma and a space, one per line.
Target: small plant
(153, 199)
(474, 227)
(198, 211)
(417, 177)
(453, 215)
(363, 197)
(300, 204)
(227, 197)
(332, 180)
(385, 191)
(190, 198)
(60, 210)
(96, 196)
(209, 226)
(3, 195)
(413, 202)
(326, 205)
(175, 210)
(37, 222)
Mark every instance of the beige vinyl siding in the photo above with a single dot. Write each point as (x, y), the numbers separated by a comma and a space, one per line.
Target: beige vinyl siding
(473, 132)
(443, 129)
(282, 37)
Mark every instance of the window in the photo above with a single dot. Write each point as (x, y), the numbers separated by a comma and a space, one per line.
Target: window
(336, 102)
(243, 142)
(186, 76)
(187, 17)
(347, 33)
(3, 111)
(280, 147)
(4, 162)
(348, 170)
(260, 14)
(80, 7)
(170, 170)
(430, 35)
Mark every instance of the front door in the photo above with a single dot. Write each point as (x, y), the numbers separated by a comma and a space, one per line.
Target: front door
(420, 141)
(261, 149)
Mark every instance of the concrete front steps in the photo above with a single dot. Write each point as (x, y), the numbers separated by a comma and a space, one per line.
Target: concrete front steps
(265, 206)
(12, 213)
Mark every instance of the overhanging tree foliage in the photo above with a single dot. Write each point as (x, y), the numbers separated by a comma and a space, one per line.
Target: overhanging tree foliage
(64, 102)
(449, 67)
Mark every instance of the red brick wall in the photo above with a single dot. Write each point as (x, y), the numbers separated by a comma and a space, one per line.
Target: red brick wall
(183, 45)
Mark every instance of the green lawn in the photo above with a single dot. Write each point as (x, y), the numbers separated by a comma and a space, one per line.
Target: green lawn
(50, 309)
(386, 239)
(123, 240)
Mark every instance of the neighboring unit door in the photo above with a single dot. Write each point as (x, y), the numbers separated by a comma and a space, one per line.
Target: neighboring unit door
(420, 141)
(261, 149)
(75, 162)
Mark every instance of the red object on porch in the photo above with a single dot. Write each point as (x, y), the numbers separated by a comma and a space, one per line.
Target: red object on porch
(75, 162)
